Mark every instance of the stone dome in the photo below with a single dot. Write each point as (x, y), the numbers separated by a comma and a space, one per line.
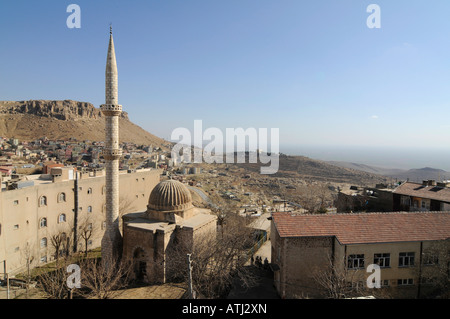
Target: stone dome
(170, 196)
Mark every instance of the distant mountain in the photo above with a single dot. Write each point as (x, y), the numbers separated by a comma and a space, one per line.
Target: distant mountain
(414, 175)
(420, 174)
(368, 168)
(29, 120)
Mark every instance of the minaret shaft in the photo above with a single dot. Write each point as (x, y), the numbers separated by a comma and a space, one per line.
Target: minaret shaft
(111, 153)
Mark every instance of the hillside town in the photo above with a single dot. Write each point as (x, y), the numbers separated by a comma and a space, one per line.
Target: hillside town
(122, 215)
(226, 189)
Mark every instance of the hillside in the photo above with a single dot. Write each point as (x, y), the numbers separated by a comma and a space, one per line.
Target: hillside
(315, 170)
(414, 175)
(28, 120)
(420, 174)
(368, 168)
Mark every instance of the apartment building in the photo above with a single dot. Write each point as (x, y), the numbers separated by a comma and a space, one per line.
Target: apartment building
(405, 245)
(34, 210)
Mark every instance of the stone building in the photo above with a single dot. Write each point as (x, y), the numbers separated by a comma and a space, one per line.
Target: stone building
(403, 245)
(170, 221)
(56, 202)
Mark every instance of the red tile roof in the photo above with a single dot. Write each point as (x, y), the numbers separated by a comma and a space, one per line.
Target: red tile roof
(429, 192)
(366, 227)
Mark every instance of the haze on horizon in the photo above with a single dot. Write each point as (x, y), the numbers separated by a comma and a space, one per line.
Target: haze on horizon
(333, 87)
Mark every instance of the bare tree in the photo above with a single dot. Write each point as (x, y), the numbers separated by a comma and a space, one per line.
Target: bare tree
(103, 282)
(52, 280)
(434, 272)
(216, 261)
(61, 240)
(338, 281)
(86, 231)
(27, 255)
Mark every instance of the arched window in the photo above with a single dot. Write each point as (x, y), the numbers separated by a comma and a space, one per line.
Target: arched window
(44, 242)
(61, 197)
(89, 209)
(42, 201)
(43, 222)
(62, 218)
(89, 191)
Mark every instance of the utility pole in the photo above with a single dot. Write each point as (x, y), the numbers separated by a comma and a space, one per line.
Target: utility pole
(190, 291)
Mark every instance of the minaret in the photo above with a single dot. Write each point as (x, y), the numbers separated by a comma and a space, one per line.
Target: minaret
(111, 242)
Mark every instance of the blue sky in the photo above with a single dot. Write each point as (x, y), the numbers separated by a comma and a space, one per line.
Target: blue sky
(313, 69)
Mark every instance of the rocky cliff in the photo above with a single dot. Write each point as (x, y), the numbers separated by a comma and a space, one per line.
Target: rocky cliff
(62, 110)
(29, 120)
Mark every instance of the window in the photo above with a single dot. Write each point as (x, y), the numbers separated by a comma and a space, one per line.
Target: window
(405, 282)
(43, 259)
(61, 197)
(405, 200)
(382, 260)
(385, 283)
(430, 259)
(62, 218)
(406, 259)
(42, 201)
(43, 242)
(43, 222)
(16, 202)
(425, 204)
(89, 209)
(16, 226)
(355, 261)
(89, 191)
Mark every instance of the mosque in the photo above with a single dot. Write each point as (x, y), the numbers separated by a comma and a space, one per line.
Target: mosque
(170, 221)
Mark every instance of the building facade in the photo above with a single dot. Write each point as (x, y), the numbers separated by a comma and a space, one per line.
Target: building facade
(56, 204)
(308, 248)
(427, 196)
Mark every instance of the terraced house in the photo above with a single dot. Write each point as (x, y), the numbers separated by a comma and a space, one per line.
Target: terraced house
(309, 252)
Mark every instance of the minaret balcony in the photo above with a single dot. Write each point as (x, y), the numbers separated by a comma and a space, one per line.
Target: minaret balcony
(111, 153)
(111, 109)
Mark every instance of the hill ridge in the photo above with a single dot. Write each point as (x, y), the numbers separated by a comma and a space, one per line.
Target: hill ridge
(62, 119)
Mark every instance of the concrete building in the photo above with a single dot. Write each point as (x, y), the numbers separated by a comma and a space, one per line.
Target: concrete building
(169, 222)
(306, 246)
(427, 196)
(368, 199)
(111, 153)
(30, 216)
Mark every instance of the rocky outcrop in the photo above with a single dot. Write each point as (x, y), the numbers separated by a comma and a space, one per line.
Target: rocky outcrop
(62, 110)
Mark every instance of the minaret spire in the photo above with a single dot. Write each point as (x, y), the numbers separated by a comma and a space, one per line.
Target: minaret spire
(111, 242)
